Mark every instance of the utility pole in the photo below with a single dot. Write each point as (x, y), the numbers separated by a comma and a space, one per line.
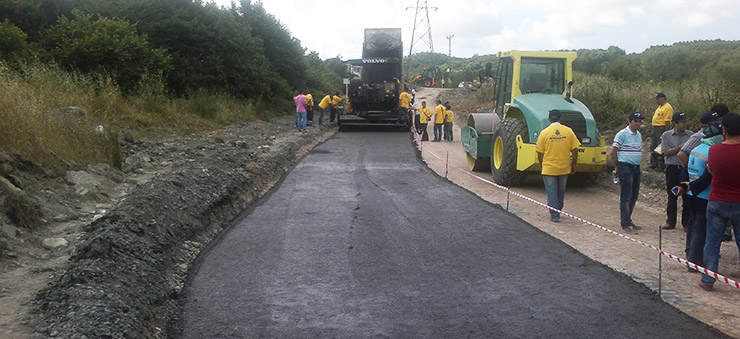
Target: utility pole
(422, 26)
(449, 40)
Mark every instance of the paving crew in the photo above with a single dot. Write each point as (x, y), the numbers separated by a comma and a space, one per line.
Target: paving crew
(723, 161)
(661, 122)
(309, 109)
(335, 100)
(696, 183)
(626, 153)
(449, 118)
(557, 151)
(439, 120)
(424, 115)
(325, 102)
(671, 143)
(404, 100)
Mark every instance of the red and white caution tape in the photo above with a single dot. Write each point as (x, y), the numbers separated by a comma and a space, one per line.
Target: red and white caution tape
(675, 258)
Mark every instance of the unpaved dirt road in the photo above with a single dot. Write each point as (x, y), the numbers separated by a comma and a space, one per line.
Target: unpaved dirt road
(362, 239)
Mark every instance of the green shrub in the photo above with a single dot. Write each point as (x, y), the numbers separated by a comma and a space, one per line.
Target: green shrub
(90, 44)
(13, 45)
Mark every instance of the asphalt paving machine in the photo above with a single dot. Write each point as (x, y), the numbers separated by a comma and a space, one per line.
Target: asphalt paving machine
(375, 87)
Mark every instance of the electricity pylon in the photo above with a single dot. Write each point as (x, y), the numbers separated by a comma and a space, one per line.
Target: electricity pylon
(422, 31)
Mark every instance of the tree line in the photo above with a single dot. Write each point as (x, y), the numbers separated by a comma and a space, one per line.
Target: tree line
(241, 50)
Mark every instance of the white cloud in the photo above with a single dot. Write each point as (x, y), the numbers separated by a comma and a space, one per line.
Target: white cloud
(332, 27)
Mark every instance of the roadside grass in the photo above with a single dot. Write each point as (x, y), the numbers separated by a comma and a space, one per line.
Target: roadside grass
(610, 101)
(39, 125)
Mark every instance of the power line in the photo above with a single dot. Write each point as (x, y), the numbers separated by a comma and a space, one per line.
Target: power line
(422, 31)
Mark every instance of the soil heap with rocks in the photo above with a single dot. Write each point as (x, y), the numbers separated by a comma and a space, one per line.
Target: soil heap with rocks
(127, 264)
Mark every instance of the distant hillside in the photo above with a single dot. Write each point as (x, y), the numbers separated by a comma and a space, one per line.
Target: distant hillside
(706, 61)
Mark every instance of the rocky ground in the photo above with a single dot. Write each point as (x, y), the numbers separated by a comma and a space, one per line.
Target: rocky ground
(113, 247)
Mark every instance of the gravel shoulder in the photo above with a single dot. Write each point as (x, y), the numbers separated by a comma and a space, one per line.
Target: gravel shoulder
(115, 246)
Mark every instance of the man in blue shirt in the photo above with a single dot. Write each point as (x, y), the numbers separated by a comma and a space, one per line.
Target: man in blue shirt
(626, 153)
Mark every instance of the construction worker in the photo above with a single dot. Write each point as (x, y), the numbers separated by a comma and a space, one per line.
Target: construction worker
(335, 100)
(449, 118)
(557, 151)
(439, 120)
(404, 100)
(695, 181)
(309, 109)
(424, 115)
(661, 122)
(325, 102)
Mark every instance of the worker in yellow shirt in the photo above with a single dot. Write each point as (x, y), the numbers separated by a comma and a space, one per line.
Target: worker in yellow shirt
(449, 118)
(325, 102)
(424, 115)
(557, 150)
(661, 123)
(309, 108)
(439, 120)
(404, 99)
(335, 100)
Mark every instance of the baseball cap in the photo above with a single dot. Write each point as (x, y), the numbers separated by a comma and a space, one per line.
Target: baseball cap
(555, 114)
(679, 117)
(708, 117)
(714, 128)
(635, 116)
(660, 95)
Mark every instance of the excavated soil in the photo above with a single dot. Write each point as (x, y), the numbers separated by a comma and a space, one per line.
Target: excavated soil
(114, 247)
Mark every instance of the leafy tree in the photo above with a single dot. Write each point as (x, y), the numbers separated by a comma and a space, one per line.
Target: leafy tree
(13, 45)
(593, 60)
(283, 51)
(90, 44)
(34, 16)
(323, 76)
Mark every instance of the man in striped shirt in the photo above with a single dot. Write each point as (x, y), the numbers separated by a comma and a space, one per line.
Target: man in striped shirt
(626, 153)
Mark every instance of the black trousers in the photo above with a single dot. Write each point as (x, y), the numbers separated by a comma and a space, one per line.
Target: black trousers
(656, 160)
(332, 113)
(672, 178)
(424, 133)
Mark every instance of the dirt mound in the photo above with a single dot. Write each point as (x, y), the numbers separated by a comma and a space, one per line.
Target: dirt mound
(130, 264)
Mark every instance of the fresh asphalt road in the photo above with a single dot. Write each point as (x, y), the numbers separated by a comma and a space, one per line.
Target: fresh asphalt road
(362, 240)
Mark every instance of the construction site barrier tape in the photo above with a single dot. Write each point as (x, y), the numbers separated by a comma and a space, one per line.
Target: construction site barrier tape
(675, 258)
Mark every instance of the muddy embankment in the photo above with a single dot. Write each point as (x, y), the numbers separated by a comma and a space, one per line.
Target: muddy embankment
(129, 267)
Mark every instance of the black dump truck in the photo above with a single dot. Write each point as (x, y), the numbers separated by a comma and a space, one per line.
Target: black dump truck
(376, 80)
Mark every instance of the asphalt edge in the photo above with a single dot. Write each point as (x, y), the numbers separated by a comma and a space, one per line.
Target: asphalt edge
(641, 288)
(81, 301)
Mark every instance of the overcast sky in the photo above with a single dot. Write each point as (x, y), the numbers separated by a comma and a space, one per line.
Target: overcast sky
(335, 27)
